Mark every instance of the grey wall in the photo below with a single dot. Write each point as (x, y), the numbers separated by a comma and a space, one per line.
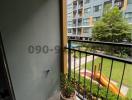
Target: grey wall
(31, 22)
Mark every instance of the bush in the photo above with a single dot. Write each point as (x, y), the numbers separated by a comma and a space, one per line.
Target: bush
(67, 86)
(102, 90)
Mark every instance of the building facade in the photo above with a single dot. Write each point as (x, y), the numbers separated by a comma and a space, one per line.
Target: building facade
(82, 14)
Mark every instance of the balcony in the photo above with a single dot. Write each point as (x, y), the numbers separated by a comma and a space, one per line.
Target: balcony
(88, 34)
(30, 58)
(100, 75)
(75, 7)
(75, 16)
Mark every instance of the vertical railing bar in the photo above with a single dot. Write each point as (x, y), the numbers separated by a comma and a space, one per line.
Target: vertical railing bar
(109, 78)
(79, 70)
(121, 80)
(100, 76)
(121, 52)
(74, 62)
(91, 77)
(111, 50)
(85, 77)
(69, 59)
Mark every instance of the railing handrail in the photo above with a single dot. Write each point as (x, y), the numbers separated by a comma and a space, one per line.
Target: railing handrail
(104, 56)
(105, 43)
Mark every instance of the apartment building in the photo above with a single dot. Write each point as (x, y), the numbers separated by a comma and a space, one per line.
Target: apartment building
(82, 14)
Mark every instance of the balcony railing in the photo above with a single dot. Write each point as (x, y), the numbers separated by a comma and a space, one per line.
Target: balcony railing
(89, 68)
(74, 7)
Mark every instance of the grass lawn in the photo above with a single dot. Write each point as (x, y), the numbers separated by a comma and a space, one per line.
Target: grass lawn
(116, 72)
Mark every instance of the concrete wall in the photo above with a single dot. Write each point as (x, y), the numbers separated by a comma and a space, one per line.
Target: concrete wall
(31, 22)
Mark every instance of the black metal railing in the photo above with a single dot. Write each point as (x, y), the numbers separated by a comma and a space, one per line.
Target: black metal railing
(73, 51)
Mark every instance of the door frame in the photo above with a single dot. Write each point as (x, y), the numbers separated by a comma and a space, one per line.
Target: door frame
(63, 35)
(6, 69)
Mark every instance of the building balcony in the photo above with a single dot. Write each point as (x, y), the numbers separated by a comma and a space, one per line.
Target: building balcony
(96, 70)
(33, 53)
(75, 8)
(75, 16)
(87, 35)
(86, 24)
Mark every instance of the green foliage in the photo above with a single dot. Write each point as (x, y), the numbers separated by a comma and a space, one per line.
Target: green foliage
(112, 27)
(107, 7)
(102, 90)
(67, 86)
(116, 72)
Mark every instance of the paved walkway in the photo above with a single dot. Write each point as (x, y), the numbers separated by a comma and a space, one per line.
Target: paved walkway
(89, 59)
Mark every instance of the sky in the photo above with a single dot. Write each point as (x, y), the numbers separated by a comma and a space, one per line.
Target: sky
(69, 1)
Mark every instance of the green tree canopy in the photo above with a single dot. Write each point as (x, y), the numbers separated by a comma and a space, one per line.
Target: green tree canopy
(112, 27)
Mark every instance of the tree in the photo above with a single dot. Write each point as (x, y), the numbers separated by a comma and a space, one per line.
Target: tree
(112, 27)
(107, 7)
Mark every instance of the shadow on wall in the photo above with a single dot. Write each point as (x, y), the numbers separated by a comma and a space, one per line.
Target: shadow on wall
(18, 13)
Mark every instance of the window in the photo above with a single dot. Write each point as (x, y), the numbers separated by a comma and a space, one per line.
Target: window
(129, 1)
(70, 23)
(119, 4)
(79, 31)
(86, 30)
(128, 14)
(69, 30)
(128, 17)
(87, 1)
(97, 8)
(86, 21)
(75, 7)
(69, 7)
(74, 31)
(87, 12)
(69, 15)
(79, 22)
(96, 19)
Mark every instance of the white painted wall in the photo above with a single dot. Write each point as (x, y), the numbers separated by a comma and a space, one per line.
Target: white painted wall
(31, 22)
